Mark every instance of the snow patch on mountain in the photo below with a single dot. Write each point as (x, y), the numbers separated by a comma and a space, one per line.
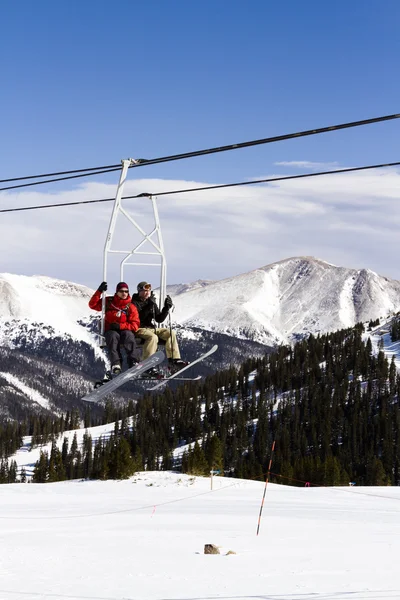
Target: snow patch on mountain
(347, 312)
(26, 390)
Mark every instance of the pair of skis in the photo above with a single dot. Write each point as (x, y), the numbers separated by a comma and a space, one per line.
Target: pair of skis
(138, 370)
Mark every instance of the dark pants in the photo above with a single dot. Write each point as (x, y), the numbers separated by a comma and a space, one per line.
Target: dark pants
(116, 340)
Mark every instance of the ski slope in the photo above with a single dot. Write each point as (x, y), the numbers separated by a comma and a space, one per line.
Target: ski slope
(143, 538)
(381, 333)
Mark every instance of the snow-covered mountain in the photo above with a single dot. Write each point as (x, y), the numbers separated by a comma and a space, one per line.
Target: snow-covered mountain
(273, 304)
(287, 299)
(49, 353)
(49, 320)
(43, 304)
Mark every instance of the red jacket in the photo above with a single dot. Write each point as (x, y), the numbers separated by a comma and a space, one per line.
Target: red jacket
(118, 311)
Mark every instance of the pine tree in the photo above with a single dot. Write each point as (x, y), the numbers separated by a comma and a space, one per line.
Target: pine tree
(197, 461)
(122, 464)
(40, 472)
(12, 472)
(56, 470)
(214, 455)
(23, 475)
(376, 473)
(87, 449)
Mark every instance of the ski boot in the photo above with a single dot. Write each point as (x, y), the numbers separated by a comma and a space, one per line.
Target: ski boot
(107, 377)
(153, 374)
(176, 364)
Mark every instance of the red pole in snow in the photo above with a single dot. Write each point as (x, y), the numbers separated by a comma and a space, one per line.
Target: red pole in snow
(265, 488)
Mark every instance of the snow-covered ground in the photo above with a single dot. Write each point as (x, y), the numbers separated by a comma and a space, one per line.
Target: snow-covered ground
(381, 334)
(27, 456)
(144, 539)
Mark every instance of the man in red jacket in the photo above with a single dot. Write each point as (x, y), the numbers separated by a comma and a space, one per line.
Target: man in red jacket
(120, 323)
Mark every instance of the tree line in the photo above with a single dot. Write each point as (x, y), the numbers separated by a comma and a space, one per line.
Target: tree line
(330, 404)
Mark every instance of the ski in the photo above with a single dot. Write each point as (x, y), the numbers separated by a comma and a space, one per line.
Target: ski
(178, 373)
(144, 378)
(132, 373)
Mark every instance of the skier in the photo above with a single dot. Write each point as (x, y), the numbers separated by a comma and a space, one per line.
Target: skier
(120, 323)
(149, 314)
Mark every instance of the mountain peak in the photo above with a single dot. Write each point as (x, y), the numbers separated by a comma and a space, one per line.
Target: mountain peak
(289, 298)
(300, 259)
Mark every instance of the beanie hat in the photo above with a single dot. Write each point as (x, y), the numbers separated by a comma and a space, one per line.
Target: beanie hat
(143, 285)
(122, 286)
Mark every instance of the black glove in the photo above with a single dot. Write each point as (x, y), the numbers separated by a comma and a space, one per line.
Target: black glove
(102, 287)
(168, 302)
(115, 327)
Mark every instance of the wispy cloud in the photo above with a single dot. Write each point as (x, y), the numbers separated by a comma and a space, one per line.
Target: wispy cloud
(307, 164)
(351, 220)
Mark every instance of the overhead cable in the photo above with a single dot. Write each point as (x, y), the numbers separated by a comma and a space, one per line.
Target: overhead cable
(270, 140)
(60, 173)
(272, 179)
(144, 162)
(22, 185)
(208, 187)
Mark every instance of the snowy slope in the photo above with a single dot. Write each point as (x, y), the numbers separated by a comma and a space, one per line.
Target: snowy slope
(144, 538)
(26, 390)
(381, 335)
(180, 288)
(287, 299)
(26, 456)
(59, 305)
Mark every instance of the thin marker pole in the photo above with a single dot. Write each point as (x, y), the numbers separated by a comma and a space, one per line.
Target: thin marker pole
(265, 487)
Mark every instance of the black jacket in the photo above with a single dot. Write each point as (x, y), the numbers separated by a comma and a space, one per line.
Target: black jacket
(149, 311)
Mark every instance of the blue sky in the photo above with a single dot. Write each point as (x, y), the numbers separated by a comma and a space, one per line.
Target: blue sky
(88, 83)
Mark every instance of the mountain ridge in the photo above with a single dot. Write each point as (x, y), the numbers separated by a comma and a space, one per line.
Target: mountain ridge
(285, 300)
(246, 315)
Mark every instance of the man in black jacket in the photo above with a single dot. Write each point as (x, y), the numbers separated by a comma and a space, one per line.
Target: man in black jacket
(150, 315)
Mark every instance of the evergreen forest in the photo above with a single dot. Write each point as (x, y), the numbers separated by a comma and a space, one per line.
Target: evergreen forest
(330, 403)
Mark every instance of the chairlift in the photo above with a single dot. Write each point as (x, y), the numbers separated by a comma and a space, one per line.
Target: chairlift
(134, 254)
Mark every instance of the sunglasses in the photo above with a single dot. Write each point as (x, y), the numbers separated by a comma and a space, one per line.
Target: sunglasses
(124, 291)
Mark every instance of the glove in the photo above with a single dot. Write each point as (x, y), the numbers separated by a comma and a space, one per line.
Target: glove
(102, 287)
(115, 327)
(168, 302)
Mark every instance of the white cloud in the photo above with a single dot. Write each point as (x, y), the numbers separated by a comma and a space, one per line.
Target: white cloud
(307, 164)
(351, 220)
